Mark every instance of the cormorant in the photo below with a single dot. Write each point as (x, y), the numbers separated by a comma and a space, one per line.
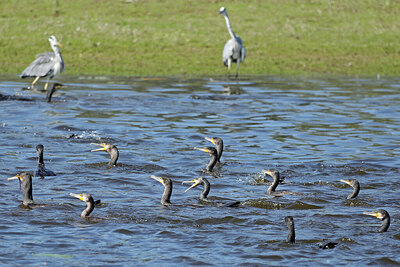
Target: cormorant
(110, 149)
(218, 143)
(213, 154)
(382, 215)
(356, 187)
(88, 199)
(167, 182)
(291, 238)
(53, 89)
(206, 190)
(42, 171)
(271, 190)
(26, 180)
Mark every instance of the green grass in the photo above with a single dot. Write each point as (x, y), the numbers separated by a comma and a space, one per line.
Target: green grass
(183, 37)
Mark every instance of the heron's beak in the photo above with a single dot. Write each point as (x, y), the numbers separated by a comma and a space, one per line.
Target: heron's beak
(202, 149)
(76, 195)
(103, 147)
(160, 179)
(373, 213)
(345, 181)
(58, 44)
(194, 181)
(210, 139)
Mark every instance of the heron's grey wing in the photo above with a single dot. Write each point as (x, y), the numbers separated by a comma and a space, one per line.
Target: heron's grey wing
(242, 54)
(41, 67)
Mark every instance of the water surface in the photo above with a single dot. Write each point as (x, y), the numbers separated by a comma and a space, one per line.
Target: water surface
(315, 131)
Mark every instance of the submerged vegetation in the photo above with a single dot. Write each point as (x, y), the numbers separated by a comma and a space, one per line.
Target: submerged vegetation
(180, 37)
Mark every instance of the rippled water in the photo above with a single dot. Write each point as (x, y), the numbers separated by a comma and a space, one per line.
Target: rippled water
(315, 131)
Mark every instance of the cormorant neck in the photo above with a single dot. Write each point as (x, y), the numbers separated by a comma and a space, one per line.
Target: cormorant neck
(274, 184)
(114, 153)
(220, 148)
(50, 93)
(90, 207)
(166, 197)
(356, 190)
(291, 238)
(212, 162)
(27, 190)
(228, 25)
(40, 158)
(206, 189)
(385, 224)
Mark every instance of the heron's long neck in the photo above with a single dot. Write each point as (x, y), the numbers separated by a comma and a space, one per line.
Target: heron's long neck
(356, 190)
(274, 184)
(166, 197)
(114, 157)
(385, 225)
(213, 161)
(206, 190)
(228, 25)
(90, 207)
(27, 191)
(56, 50)
(291, 236)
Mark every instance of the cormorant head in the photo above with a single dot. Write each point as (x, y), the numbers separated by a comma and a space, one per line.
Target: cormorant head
(215, 140)
(210, 150)
(104, 147)
(84, 196)
(39, 148)
(272, 172)
(195, 181)
(164, 180)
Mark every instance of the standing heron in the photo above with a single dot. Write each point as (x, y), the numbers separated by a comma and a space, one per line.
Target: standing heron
(46, 64)
(234, 51)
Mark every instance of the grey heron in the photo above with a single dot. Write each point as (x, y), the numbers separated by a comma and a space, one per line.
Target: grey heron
(234, 51)
(46, 64)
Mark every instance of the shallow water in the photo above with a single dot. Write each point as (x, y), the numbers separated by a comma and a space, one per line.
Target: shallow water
(315, 131)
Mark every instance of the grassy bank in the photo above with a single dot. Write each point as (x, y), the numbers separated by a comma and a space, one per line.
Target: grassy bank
(174, 37)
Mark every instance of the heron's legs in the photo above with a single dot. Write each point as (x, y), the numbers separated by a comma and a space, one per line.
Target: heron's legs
(229, 67)
(47, 84)
(237, 68)
(34, 81)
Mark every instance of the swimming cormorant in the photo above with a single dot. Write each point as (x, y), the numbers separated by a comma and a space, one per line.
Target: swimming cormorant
(88, 199)
(271, 190)
(356, 187)
(53, 89)
(26, 180)
(382, 215)
(110, 149)
(206, 189)
(42, 171)
(213, 154)
(218, 143)
(291, 238)
(167, 182)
